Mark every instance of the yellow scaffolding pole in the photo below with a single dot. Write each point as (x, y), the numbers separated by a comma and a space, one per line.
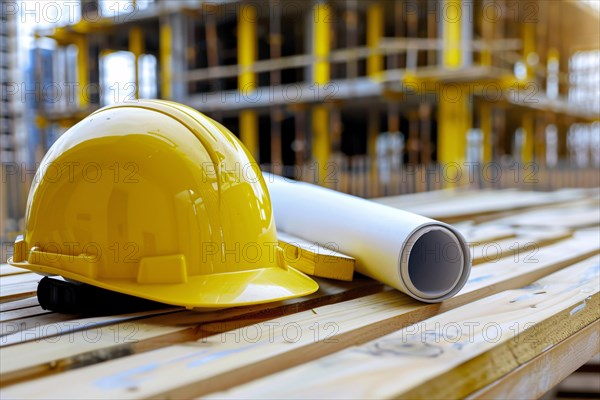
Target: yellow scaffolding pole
(136, 46)
(321, 41)
(321, 141)
(528, 137)
(529, 52)
(454, 113)
(166, 60)
(374, 35)
(540, 125)
(247, 82)
(454, 121)
(82, 69)
(452, 22)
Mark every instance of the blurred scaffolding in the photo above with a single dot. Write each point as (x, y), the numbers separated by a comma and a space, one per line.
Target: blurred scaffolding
(368, 97)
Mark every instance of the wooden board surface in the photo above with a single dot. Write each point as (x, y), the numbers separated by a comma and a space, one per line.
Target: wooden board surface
(316, 260)
(342, 340)
(455, 205)
(534, 378)
(123, 336)
(452, 354)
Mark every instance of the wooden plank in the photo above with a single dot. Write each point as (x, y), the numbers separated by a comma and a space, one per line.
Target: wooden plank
(506, 272)
(315, 259)
(21, 313)
(456, 206)
(48, 325)
(7, 269)
(17, 304)
(485, 233)
(11, 333)
(199, 367)
(452, 354)
(73, 348)
(19, 278)
(525, 244)
(17, 291)
(534, 378)
(13, 287)
(566, 217)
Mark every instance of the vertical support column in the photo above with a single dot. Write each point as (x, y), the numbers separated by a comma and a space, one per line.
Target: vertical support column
(172, 55)
(551, 141)
(321, 41)
(451, 17)
(373, 130)
(499, 127)
(485, 112)
(398, 60)
(247, 82)
(425, 136)
(374, 68)
(529, 54)
(136, 46)
(165, 58)
(412, 31)
(351, 21)
(454, 120)
(374, 35)
(212, 45)
(432, 32)
(179, 48)
(299, 146)
(487, 30)
(275, 41)
(83, 77)
(321, 141)
(454, 104)
(540, 125)
(552, 74)
(466, 33)
(528, 137)
(413, 143)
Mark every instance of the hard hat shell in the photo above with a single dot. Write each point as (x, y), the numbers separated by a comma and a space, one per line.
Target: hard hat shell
(156, 200)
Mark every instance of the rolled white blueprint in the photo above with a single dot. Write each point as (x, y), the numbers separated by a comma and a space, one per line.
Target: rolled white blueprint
(424, 258)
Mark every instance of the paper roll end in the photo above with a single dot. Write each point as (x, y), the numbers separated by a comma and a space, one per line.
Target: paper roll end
(435, 264)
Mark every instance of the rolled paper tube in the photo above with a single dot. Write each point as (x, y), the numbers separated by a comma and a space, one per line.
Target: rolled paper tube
(426, 259)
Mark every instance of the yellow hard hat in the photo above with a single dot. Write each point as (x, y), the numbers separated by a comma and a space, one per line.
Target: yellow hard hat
(156, 200)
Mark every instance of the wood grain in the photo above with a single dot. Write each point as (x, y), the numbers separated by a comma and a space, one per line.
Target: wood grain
(22, 313)
(526, 242)
(17, 304)
(485, 233)
(315, 259)
(534, 378)
(78, 345)
(566, 217)
(457, 205)
(452, 354)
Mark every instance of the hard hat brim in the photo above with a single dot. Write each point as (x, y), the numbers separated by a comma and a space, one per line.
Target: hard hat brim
(221, 290)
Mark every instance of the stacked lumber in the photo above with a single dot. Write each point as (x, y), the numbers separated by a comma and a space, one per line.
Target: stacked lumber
(530, 310)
